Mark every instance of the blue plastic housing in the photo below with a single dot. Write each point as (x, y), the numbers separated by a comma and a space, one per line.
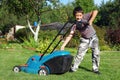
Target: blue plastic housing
(34, 63)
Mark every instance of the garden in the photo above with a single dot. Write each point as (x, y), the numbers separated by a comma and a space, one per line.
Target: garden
(17, 46)
(17, 55)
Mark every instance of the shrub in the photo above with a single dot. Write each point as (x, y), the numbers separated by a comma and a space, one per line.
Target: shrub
(105, 48)
(116, 47)
(29, 42)
(43, 44)
(113, 36)
(23, 34)
(45, 38)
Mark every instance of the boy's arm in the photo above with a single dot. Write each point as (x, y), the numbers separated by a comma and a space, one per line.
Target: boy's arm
(68, 38)
(93, 16)
(66, 41)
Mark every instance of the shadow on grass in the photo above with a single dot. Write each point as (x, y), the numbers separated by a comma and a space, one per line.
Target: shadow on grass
(81, 67)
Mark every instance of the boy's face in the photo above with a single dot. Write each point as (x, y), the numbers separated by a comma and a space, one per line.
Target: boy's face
(78, 16)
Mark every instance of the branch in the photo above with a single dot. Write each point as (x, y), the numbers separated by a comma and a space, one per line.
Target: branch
(38, 26)
(30, 27)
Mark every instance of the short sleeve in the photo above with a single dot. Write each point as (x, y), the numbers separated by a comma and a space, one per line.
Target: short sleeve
(73, 28)
(87, 16)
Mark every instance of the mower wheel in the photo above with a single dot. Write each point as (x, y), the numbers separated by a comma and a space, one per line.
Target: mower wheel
(16, 69)
(43, 71)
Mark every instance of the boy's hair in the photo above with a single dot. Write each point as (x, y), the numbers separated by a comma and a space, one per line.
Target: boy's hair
(77, 9)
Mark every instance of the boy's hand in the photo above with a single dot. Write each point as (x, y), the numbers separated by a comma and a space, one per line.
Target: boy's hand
(62, 48)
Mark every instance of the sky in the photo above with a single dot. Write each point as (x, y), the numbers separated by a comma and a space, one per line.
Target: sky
(97, 2)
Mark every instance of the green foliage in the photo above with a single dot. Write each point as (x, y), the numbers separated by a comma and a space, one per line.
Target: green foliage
(87, 5)
(47, 34)
(45, 38)
(19, 7)
(60, 14)
(116, 47)
(7, 21)
(105, 48)
(26, 37)
(24, 7)
(101, 35)
(24, 33)
(30, 42)
(7, 45)
(3, 46)
(42, 46)
(109, 14)
(68, 11)
(14, 12)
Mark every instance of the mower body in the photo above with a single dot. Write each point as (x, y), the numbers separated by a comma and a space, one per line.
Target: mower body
(56, 63)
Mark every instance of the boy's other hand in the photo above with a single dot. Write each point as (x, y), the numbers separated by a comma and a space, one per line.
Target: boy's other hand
(62, 48)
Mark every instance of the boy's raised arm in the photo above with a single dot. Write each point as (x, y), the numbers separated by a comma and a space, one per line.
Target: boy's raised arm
(93, 16)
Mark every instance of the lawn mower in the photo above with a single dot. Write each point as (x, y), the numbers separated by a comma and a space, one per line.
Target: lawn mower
(57, 62)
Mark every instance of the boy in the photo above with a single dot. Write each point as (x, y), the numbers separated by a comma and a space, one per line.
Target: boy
(88, 38)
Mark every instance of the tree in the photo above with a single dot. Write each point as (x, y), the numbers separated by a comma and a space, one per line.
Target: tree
(109, 14)
(35, 33)
(110, 17)
(6, 19)
(87, 5)
(38, 10)
(69, 11)
(31, 8)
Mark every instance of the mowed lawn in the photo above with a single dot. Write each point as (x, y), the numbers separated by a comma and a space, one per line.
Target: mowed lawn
(109, 67)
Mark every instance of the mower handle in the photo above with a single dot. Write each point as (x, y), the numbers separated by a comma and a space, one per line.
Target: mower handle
(57, 36)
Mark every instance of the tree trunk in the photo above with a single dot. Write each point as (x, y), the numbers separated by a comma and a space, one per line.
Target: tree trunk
(35, 33)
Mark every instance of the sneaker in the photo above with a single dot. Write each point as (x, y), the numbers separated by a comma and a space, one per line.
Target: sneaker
(71, 70)
(97, 72)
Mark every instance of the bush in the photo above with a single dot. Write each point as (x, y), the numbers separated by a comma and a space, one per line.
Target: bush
(29, 42)
(101, 33)
(116, 47)
(105, 48)
(22, 34)
(113, 36)
(45, 38)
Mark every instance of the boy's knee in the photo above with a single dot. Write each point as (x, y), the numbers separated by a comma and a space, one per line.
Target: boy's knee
(95, 50)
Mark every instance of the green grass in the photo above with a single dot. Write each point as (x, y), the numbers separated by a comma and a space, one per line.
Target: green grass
(109, 66)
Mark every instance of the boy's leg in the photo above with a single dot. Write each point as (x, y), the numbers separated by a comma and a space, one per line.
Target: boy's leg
(95, 54)
(83, 47)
